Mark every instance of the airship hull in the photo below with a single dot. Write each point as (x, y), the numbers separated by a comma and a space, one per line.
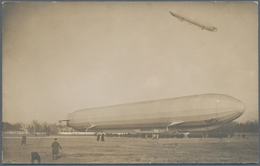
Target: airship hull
(184, 17)
(190, 113)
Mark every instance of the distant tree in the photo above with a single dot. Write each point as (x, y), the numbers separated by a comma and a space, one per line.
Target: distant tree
(3, 125)
(30, 128)
(23, 125)
(254, 126)
(17, 125)
(37, 126)
(233, 127)
(46, 128)
(9, 126)
(54, 128)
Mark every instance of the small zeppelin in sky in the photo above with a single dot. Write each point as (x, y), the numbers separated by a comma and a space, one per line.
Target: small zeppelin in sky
(184, 17)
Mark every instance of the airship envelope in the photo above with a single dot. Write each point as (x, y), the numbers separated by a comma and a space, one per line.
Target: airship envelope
(184, 17)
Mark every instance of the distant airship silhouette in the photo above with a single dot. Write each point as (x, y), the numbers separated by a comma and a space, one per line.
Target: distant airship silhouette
(184, 17)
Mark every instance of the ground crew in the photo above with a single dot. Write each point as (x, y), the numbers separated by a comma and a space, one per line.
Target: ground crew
(55, 148)
(35, 156)
(103, 137)
(23, 140)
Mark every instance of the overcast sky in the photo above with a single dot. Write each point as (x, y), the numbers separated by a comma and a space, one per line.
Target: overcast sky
(61, 57)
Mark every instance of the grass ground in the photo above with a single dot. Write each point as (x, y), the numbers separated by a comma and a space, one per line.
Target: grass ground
(85, 149)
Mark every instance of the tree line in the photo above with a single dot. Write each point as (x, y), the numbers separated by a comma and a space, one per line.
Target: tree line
(34, 127)
(234, 127)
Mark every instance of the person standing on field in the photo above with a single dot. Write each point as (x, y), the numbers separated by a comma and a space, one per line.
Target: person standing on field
(23, 140)
(55, 148)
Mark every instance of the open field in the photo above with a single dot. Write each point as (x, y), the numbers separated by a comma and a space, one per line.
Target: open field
(85, 149)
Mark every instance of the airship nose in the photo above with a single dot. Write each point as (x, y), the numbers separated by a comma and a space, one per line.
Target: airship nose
(241, 107)
(229, 108)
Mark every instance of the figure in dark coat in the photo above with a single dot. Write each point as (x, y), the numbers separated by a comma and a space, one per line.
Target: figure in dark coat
(55, 148)
(35, 156)
(103, 137)
(23, 140)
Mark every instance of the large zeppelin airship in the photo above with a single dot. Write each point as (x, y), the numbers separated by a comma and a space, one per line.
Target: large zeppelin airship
(184, 17)
(191, 113)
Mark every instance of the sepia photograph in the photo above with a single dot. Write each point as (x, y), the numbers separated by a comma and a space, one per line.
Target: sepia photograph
(128, 82)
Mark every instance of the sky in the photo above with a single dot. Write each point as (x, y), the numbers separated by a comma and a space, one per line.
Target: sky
(59, 57)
